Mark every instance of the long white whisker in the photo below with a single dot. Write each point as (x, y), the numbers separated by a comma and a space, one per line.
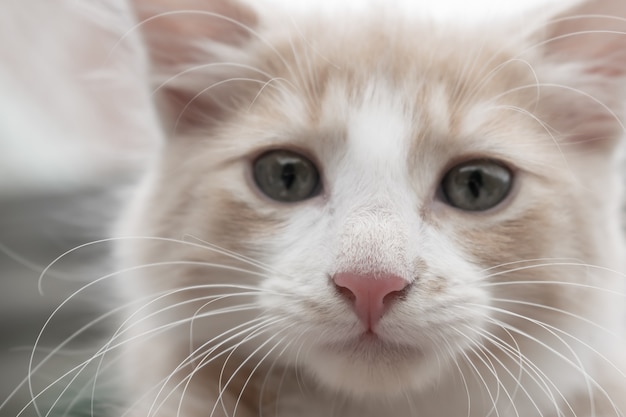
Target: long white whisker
(206, 89)
(544, 261)
(552, 329)
(578, 365)
(32, 369)
(256, 367)
(494, 71)
(556, 310)
(222, 388)
(184, 383)
(107, 348)
(516, 356)
(215, 64)
(564, 283)
(262, 322)
(579, 33)
(268, 83)
(547, 128)
(555, 264)
(491, 368)
(462, 374)
(270, 372)
(541, 379)
(234, 255)
(45, 272)
(27, 263)
(196, 13)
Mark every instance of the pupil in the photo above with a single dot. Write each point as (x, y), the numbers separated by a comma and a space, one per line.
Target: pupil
(475, 183)
(288, 175)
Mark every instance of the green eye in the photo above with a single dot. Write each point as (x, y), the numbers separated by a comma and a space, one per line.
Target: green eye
(477, 185)
(286, 176)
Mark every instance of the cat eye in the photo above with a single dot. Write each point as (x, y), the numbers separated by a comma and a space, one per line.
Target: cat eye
(286, 176)
(477, 185)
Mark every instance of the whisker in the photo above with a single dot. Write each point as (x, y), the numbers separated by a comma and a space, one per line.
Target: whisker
(198, 13)
(578, 33)
(46, 271)
(299, 74)
(234, 255)
(544, 261)
(270, 372)
(493, 400)
(552, 329)
(92, 382)
(262, 322)
(543, 124)
(32, 368)
(311, 47)
(190, 359)
(513, 353)
(299, 378)
(563, 283)
(27, 263)
(268, 83)
(557, 310)
(589, 96)
(516, 355)
(494, 71)
(185, 382)
(222, 388)
(135, 268)
(257, 366)
(181, 113)
(285, 370)
(103, 351)
(54, 352)
(578, 365)
(461, 373)
(212, 65)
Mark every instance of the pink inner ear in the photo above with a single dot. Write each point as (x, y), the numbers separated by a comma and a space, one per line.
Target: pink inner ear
(587, 113)
(593, 32)
(585, 53)
(190, 34)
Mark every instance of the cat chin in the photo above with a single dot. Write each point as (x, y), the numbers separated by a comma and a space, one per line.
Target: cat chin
(373, 371)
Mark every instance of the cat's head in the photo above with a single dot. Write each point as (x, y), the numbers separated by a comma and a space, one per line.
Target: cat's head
(401, 193)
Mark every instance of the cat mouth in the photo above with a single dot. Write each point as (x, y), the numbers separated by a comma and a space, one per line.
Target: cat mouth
(372, 346)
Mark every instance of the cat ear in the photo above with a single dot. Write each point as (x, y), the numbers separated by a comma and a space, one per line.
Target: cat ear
(196, 47)
(583, 77)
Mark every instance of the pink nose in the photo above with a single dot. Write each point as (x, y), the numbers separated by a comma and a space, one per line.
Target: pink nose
(370, 294)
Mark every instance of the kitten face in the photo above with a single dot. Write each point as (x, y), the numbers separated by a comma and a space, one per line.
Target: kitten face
(384, 111)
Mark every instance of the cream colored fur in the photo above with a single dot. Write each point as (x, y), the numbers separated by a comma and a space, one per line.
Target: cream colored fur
(516, 311)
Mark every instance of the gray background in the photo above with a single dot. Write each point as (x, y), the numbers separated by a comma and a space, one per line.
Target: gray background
(34, 231)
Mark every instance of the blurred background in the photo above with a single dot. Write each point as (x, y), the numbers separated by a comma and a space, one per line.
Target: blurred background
(76, 130)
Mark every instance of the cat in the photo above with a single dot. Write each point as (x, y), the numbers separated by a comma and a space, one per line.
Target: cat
(361, 212)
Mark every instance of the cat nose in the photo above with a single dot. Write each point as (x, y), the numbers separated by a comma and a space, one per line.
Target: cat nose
(370, 295)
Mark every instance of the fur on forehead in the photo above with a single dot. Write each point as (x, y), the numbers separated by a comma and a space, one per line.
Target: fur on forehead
(212, 58)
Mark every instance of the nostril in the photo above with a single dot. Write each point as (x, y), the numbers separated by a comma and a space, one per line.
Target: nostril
(370, 295)
(394, 295)
(345, 293)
